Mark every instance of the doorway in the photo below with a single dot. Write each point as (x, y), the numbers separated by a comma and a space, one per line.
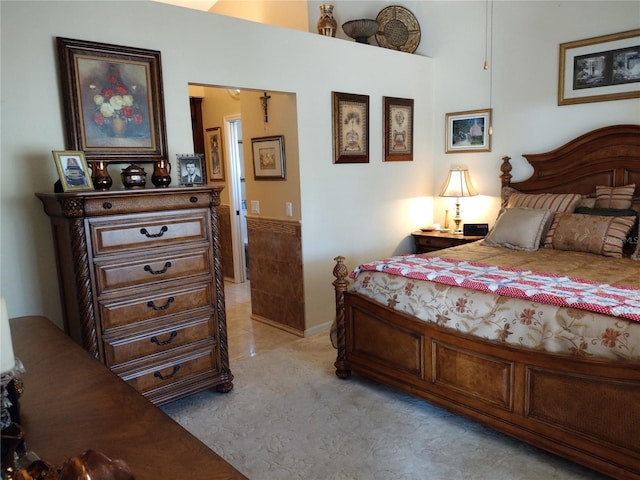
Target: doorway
(238, 196)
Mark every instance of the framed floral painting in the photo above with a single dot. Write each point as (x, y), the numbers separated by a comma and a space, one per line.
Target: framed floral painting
(350, 128)
(112, 97)
(398, 129)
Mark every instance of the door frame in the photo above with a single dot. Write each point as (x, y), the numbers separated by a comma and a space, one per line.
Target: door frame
(232, 146)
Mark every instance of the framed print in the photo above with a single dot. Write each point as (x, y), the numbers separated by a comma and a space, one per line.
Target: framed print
(398, 129)
(350, 128)
(192, 170)
(468, 131)
(73, 170)
(112, 97)
(269, 158)
(600, 69)
(215, 162)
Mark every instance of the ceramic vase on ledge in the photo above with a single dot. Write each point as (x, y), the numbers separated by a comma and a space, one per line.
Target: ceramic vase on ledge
(327, 25)
(100, 176)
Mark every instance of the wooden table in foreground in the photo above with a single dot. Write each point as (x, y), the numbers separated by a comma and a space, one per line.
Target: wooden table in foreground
(73, 403)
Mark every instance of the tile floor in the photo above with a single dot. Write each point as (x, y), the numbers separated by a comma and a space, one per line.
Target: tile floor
(246, 337)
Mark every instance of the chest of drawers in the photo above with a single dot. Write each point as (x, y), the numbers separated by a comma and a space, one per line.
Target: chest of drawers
(142, 285)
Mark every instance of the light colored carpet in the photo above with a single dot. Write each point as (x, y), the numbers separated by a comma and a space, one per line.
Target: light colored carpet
(289, 417)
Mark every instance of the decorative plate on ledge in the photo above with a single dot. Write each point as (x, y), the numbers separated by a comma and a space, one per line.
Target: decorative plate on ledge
(399, 29)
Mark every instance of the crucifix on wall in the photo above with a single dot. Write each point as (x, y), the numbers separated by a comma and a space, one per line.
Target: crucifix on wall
(265, 106)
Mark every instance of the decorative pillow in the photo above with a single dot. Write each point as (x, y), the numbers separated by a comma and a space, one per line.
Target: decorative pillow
(614, 197)
(590, 233)
(557, 202)
(631, 242)
(519, 228)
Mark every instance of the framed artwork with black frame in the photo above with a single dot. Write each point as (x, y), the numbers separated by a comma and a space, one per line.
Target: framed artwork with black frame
(599, 69)
(113, 101)
(269, 161)
(73, 170)
(468, 131)
(398, 129)
(192, 170)
(350, 128)
(213, 148)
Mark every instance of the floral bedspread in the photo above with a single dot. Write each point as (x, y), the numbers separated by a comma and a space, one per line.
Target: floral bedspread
(551, 311)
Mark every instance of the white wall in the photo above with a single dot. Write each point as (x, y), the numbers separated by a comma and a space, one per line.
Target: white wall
(207, 49)
(361, 211)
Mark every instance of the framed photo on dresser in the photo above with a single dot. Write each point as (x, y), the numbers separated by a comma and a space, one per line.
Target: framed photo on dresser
(73, 170)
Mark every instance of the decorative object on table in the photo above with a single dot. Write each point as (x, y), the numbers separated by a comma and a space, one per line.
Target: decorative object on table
(398, 29)
(134, 177)
(214, 152)
(269, 158)
(350, 128)
(458, 184)
(360, 30)
(398, 129)
(192, 169)
(327, 25)
(468, 131)
(113, 104)
(600, 69)
(161, 170)
(100, 176)
(72, 170)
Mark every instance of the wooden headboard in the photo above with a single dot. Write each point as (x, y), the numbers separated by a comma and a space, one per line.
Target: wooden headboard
(607, 156)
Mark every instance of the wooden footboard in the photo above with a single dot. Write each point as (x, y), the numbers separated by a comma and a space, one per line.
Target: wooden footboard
(585, 410)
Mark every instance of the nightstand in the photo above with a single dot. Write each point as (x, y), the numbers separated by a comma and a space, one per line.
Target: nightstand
(430, 241)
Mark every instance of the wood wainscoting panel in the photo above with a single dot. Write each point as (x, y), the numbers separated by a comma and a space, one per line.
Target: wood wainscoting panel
(275, 265)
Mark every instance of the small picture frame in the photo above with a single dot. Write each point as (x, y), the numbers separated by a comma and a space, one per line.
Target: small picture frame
(350, 128)
(398, 129)
(73, 170)
(468, 131)
(600, 69)
(214, 151)
(269, 158)
(192, 170)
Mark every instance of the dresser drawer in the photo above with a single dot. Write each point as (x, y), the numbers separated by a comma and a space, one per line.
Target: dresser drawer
(146, 231)
(116, 312)
(170, 370)
(131, 271)
(130, 344)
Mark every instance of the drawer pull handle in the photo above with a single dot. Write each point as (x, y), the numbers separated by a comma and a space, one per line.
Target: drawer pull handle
(155, 340)
(167, 377)
(147, 268)
(193, 199)
(144, 231)
(162, 307)
(107, 205)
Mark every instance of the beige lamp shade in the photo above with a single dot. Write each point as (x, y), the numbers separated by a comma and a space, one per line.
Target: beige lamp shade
(458, 184)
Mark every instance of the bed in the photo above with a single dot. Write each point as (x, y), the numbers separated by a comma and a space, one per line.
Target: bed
(572, 389)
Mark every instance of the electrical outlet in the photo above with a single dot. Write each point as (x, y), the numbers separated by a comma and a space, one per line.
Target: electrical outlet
(289, 209)
(255, 206)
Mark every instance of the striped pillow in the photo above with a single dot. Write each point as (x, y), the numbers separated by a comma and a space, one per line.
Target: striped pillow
(603, 235)
(556, 202)
(614, 197)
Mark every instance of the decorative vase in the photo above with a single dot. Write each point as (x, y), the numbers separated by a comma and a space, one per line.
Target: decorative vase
(327, 25)
(161, 177)
(134, 177)
(118, 126)
(100, 176)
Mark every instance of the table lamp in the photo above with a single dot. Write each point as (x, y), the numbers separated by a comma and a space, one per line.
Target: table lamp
(458, 184)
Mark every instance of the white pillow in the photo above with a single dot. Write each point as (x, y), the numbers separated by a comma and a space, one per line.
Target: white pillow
(520, 228)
